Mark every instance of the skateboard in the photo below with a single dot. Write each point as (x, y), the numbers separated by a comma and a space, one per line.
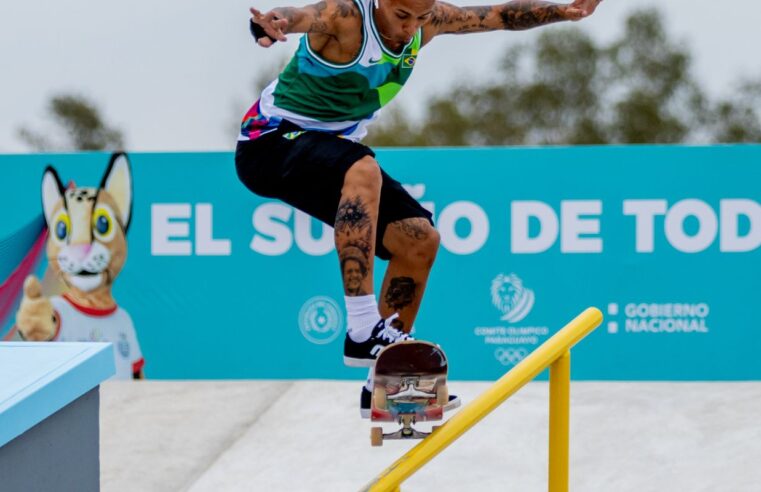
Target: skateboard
(409, 386)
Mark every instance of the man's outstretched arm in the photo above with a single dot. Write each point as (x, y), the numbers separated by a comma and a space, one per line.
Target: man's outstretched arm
(516, 15)
(320, 18)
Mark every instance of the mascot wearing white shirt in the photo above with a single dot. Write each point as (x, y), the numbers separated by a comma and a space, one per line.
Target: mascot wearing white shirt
(86, 250)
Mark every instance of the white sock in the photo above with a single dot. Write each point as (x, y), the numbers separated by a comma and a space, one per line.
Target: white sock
(361, 316)
(369, 382)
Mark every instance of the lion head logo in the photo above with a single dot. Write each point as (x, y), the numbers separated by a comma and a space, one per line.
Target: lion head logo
(510, 296)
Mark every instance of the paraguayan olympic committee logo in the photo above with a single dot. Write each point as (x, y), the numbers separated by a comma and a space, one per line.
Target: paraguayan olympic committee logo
(320, 320)
(510, 356)
(510, 296)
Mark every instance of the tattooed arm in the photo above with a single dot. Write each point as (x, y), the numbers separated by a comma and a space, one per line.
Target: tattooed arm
(515, 16)
(320, 18)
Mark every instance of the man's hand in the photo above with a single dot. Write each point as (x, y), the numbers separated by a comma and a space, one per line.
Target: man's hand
(320, 18)
(580, 9)
(273, 26)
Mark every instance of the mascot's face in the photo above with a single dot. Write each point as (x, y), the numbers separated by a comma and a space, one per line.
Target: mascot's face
(87, 226)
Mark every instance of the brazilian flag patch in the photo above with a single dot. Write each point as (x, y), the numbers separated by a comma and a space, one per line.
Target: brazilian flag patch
(409, 61)
(292, 135)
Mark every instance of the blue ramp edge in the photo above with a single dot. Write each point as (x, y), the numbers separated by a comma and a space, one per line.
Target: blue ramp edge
(38, 379)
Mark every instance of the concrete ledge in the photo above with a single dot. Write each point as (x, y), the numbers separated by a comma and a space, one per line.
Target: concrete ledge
(38, 379)
(49, 425)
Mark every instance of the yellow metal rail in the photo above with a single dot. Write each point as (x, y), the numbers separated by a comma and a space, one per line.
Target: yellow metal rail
(554, 353)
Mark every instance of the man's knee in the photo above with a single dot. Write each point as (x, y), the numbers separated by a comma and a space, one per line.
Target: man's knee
(430, 245)
(363, 175)
(415, 240)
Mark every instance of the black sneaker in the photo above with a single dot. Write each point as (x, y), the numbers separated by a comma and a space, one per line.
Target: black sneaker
(367, 396)
(363, 354)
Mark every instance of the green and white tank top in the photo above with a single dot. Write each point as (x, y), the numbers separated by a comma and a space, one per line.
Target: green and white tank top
(343, 99)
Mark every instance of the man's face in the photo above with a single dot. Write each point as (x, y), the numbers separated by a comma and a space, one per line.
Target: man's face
(400, 19)
(352, 275)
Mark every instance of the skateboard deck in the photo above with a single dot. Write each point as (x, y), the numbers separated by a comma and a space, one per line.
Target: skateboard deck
(409, 386)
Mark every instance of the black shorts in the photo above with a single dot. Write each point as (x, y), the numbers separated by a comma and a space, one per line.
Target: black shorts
(306, 169)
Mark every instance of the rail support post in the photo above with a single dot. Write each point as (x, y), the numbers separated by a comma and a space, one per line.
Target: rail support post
(560, 403)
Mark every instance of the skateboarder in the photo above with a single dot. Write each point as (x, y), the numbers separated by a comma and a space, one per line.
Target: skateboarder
(300, 142)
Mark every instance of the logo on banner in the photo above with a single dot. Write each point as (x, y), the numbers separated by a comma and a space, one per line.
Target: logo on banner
(510, 296)
(320, 320)
(510, 356)
(659, 318)
(511, 342)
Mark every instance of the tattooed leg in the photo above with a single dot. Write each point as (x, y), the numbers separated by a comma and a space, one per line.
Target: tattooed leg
(413, 244)
(356, 224)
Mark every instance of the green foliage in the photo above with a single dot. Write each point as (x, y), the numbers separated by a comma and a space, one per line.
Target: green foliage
(566, 89)
(80, 124)
(737, 119)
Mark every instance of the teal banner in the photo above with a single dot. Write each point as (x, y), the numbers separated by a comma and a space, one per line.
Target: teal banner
(220, 283)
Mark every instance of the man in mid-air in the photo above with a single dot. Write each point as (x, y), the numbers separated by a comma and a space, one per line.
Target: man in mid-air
(300, 142)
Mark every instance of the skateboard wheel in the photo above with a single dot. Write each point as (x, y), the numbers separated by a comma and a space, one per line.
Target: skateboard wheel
(376, 436)
(379, 397)
(442, 395)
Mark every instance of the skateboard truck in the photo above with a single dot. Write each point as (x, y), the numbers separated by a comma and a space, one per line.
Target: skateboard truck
(409, 390)
(377, 436)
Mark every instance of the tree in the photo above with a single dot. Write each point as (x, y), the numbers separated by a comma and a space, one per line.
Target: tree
(660, 101)
(567, 89)
(81, 124)
(737, 118)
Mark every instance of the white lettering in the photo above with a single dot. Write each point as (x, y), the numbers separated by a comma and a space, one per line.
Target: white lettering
(644, 212)
(306, 242)
(520, 214)
(708, 226)
(667, 325)
(573, 226)
(730, 240)
(166, 233)
(272, 236)
(677, 310)
(206, 245)
(479, 228)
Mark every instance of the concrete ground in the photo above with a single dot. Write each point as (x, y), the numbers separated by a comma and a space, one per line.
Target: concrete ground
(307, 436)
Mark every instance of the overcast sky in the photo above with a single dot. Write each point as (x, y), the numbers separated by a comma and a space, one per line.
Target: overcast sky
(177, 75)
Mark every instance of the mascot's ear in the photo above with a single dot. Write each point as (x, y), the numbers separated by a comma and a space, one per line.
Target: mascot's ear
(52, 192)
(117, 181)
